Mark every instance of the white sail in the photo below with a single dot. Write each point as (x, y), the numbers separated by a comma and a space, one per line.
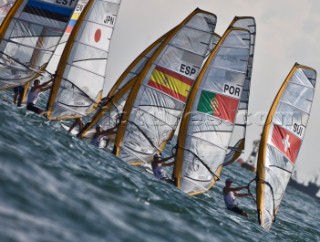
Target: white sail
(82, 72)
(210, 113)
(156, 102)
(281, 140)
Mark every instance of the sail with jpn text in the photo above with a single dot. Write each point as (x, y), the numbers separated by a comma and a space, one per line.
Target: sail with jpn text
(81, 73)
(210, 113)
(156, 102)
(29, 35)
(281, 140)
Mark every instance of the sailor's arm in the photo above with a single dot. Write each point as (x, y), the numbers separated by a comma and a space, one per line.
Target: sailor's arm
(168, 163)
(109, 131)
(236, 189)
(46, 83)
(42, 89)
(241, 194)
(72, 126)
(164, 163)
(168, 158)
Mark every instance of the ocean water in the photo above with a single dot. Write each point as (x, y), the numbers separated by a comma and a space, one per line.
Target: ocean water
(54, 187)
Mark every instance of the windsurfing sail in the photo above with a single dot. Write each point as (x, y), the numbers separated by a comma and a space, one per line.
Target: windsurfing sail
(108, 116)
(281, 140)
(210, 113)
(81, 73)
(156, 102)
(237, 142)
(29, 35)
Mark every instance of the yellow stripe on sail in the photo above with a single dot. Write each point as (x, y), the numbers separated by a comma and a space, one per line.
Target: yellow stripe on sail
(75, 16)
(170, 83)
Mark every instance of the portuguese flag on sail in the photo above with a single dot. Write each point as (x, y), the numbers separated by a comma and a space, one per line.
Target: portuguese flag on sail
(218, 105)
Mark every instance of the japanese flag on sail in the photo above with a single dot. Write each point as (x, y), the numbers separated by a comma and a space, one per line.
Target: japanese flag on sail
(96, 35)
(286, 142)
(218, 105)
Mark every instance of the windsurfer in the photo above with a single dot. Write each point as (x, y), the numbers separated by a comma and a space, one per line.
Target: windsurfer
(18, 95)
(77, 122)
(230, 194)
(157, 164)
(34, 95)
(97, 138)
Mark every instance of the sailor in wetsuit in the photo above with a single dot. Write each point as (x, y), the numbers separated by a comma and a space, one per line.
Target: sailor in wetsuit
(18, 95)
(77, 122)
(230, 194)
(34, 94)
(98, 136)
(157, 164)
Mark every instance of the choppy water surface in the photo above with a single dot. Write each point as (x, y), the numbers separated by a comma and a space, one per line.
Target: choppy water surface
(55, 187)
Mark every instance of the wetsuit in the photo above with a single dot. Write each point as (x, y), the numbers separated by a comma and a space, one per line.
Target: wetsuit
(97, 141)
(231, 203)
(159, 173)
(32, 100)
(18, 91)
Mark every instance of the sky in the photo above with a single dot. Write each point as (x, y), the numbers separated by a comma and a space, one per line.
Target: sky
(287, 32)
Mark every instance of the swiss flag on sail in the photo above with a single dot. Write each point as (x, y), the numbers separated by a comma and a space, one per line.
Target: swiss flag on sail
(286, 142)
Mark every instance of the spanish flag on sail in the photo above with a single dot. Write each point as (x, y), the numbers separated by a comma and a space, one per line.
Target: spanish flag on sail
(171, 83)
(218, 105)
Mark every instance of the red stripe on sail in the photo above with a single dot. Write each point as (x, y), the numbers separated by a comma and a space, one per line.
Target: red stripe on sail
(175, 75)
(167, 91)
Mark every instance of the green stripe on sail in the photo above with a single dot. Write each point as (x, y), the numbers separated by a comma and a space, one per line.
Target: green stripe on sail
(207, 103)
